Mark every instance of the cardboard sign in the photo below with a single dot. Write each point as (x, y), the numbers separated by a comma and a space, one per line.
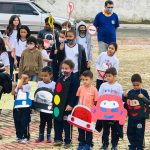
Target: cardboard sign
(43, 100)
(70, 7)
(81, 117)
(92, 30)
(109, 107)
(60, 98)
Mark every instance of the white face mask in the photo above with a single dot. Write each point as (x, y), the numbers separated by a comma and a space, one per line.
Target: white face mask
(30, 46)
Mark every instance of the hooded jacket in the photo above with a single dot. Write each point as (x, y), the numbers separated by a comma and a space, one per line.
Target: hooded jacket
(88, 39)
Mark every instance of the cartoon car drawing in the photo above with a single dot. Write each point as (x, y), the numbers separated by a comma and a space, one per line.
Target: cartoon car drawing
(82, 118)
(109, 107)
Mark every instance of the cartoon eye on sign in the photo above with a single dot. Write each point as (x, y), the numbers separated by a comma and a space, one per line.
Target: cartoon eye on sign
(70, 8)
(109, 107)
(92, 30)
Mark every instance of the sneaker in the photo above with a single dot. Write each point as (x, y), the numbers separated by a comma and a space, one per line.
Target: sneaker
(87, 147)
(58, 143)
(66, 146)
(80, 146)
(17, 140)
(39, 140)
(104, 147)
(114, 148)
(49, 141)
(24, 141)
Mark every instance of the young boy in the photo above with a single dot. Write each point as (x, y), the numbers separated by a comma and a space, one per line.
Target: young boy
(73, 51)
(114, 88)
(69, 85)
(104, 61)
(46, 117)
(84, 39)
(87, 94)
(31, 59)
(22, 115)
(137, 101)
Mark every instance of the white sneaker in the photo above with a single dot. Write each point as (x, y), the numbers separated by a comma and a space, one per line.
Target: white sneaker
(24, 141)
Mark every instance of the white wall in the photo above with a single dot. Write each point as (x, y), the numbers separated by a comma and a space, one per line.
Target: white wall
(127, 10)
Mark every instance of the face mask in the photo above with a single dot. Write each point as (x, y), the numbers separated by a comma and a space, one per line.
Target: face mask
(82, 32)
(65, 73)
(62, 40)
(70, 41)
(109, 10)
(30, 46)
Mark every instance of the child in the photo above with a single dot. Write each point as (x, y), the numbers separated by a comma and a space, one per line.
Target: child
(104, 61)
(21, 44)
(45, 117)
(47, 33)
(114, 88)
(10, 37)
(136, 124)
(87, 96)
(70, 80)
(73, 51)
(40, 46)
(4, 59)
(84, 39)
(22, 115)
(66, 26)
(31, 59)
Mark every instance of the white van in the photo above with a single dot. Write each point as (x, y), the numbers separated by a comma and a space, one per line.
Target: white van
(30, 13)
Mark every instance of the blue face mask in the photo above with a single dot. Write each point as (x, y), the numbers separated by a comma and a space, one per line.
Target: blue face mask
(109, 10)
(70, 41)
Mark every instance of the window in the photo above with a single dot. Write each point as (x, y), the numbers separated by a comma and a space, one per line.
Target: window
(7, 8)
(25, 9)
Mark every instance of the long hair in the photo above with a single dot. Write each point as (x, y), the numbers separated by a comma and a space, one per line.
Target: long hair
(2, 46)
(25, 28)
(10, 26)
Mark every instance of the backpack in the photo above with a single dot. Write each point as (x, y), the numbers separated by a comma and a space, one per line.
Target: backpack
(5, 82)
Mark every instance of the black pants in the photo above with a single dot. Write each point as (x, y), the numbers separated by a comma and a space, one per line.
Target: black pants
(113, 125)
(99, 83)
(135, 133)
(45, 118)
(11, 61)
(85, 137)
(59, 126)
(21, 121)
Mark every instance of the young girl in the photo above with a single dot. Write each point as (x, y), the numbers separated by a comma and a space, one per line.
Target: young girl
(46, 117)
(21, 44)
(10, 37)
(45, 56)
(4, 57)
(87, 94)
(68, 100)
(31, 60)
(104, 61)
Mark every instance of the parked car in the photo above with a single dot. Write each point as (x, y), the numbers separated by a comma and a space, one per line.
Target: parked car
(30, 13)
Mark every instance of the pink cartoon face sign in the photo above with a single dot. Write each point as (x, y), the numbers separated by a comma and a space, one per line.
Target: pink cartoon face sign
(109, 107)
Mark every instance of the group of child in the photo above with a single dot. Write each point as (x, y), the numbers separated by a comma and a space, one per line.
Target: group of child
(69, 62)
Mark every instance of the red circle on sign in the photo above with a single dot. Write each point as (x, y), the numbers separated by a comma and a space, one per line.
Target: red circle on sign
(70, 7)
(59, 88)
(92, 30)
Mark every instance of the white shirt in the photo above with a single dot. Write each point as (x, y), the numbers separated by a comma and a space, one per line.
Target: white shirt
(12, 39)
(45, 55)
(25, 88)
(72, 53)
(4, 58)
(83, 42)
(19, 47)
(104, 62)
(50, 85)
(113, 89)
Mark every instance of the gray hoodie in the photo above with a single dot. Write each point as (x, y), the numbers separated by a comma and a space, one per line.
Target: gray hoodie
(88, 40)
